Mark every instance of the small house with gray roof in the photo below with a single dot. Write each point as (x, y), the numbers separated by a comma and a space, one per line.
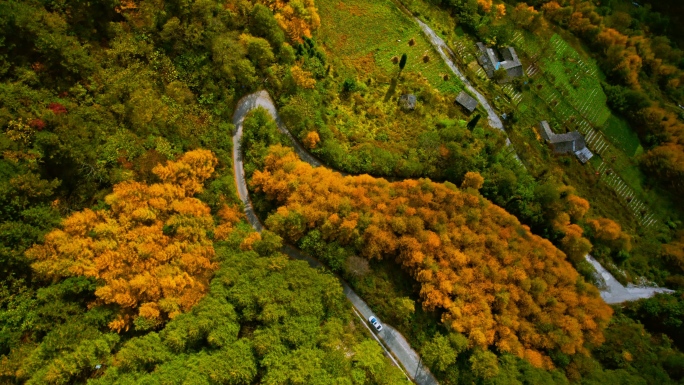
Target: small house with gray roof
(489, 60)
(467, 101)
(570, 142)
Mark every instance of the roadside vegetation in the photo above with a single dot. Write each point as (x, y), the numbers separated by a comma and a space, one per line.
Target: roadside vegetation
(457, 248)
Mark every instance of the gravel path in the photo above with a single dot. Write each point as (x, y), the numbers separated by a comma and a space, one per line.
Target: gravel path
(393, 340)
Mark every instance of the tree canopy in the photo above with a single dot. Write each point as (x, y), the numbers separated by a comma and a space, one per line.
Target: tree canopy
(492, 279)
(151, 246)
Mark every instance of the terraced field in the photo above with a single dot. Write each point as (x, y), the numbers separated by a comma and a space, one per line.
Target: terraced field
(577, 81)
(572, 90)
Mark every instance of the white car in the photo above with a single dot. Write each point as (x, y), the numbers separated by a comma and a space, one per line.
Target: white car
(374, 321)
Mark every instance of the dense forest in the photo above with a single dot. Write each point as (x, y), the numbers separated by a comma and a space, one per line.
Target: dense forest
(125, 257)
(495, 281)
(120, 267)
(495, 286)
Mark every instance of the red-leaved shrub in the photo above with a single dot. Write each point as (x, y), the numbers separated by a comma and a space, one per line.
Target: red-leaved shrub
(37, 124)
(57, 108)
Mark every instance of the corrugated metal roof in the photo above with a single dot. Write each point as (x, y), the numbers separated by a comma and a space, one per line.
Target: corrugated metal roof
(467, 101)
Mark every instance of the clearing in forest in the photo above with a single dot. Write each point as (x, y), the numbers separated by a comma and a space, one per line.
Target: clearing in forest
(366, 34)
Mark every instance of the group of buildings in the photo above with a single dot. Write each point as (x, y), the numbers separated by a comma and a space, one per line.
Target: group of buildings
(507, 59)
(491, 61)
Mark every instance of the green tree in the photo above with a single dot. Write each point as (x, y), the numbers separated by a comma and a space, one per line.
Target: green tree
(473, 122)
(287, 54)
(484, 364)
(403, 309)
(269, 243)
(402, 62)
(258, 50)
(500, 75)
(438, 353)
(263, 24)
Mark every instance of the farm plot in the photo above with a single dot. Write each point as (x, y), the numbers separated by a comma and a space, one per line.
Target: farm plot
(622, 136)
(511, 92)
(638, 208)
(565, 115)
(561, 108)
(575, 80)
(527, 44)
(465, 49)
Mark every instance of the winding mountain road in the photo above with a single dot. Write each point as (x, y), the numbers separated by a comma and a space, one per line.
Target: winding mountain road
(391, 338)
(613, 292)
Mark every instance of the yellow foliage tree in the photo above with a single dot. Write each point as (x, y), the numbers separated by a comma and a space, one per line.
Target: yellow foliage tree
(500, 11)
(297, 17)
(229, 216)
(577, 207)
(523, 15)
(302, 78)
(150, 249)
(472, 180)
(248, 242)
(312, 139)
(610, 232)
(486, 5)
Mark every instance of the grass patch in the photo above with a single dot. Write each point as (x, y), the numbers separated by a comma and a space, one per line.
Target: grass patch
(619, 132)
(366, 34)
(355, 108)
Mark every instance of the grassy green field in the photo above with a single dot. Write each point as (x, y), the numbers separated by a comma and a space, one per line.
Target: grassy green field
(576, 79)
(573, 87)
(363, 126)
(366, 34)
(622, 136)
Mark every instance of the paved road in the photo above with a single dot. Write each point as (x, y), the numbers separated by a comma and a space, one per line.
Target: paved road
(614, 292)
(393, 340)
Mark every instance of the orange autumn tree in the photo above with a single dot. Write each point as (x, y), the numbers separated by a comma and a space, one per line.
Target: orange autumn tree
(500, 11)
(297, 17)
(150, 248)
(610, 233)
(311, 139)
(486, 5)
(492, 279)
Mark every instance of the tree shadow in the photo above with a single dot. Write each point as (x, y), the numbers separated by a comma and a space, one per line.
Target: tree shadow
(391, 89)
